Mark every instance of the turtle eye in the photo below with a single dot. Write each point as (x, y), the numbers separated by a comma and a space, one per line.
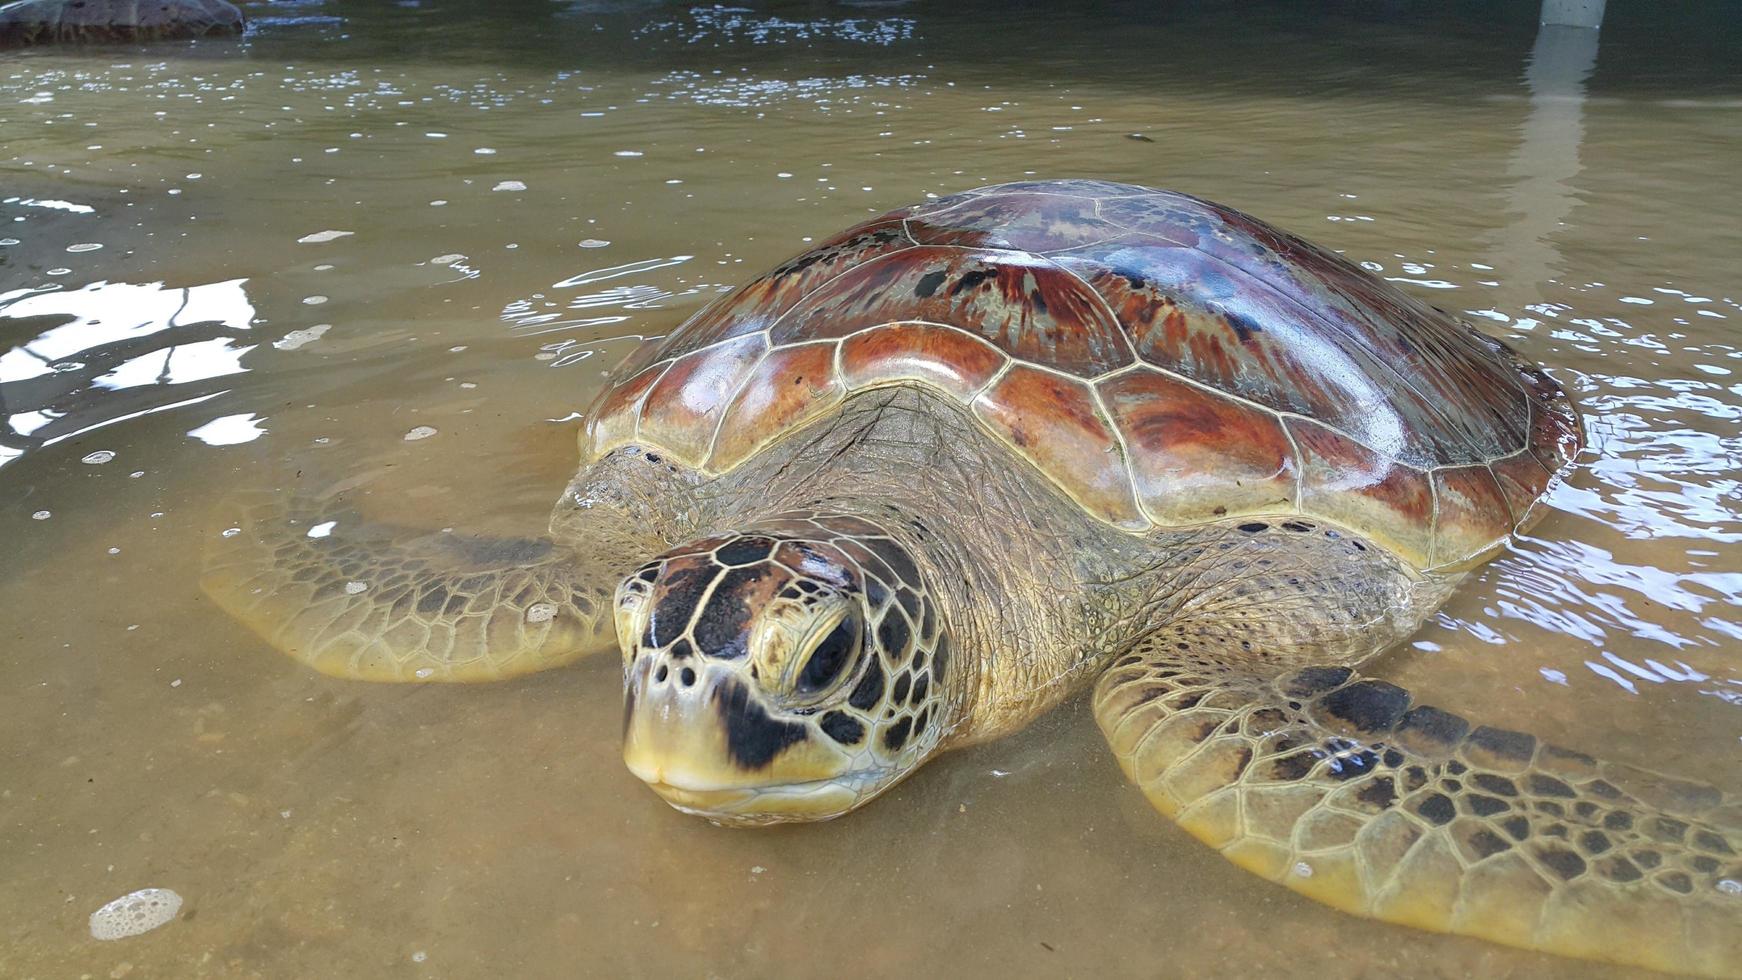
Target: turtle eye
(829, 659)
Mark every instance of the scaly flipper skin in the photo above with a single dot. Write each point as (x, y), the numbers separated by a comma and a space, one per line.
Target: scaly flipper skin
(370, 601)
(1346, 792)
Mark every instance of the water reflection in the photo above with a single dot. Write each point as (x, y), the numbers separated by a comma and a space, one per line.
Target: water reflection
(111, 351)
(544, 313)
(1542, 168)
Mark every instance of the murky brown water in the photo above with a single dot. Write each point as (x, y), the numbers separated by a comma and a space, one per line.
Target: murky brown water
(524, 192)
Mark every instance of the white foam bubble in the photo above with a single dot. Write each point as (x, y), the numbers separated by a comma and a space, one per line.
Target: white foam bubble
(421, 432)
(541, 612)
(99, 457)
(135, 913)
(302, 338)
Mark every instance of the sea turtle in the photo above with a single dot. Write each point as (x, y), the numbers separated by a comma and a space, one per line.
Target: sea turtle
(973, 457)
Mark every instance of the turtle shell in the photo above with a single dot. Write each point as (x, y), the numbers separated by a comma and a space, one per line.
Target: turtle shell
(1165, 360)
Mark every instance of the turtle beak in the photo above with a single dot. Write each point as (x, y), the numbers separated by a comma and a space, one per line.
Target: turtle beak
(710, 747)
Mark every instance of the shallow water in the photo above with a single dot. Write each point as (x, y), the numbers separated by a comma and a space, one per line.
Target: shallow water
(524, 194)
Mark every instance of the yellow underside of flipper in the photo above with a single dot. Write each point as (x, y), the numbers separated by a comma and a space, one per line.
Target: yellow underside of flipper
(370, 602)
(1497, 836)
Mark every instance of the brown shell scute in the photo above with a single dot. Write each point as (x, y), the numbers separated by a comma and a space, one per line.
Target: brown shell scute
(1164, 360)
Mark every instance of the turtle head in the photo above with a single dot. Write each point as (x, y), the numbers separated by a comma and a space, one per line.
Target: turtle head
(789, 672)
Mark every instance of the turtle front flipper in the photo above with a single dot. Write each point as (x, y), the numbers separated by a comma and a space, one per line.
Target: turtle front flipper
(1345, 791)
(364, 600)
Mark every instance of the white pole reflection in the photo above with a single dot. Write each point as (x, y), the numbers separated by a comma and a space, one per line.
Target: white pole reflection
(1547, 158)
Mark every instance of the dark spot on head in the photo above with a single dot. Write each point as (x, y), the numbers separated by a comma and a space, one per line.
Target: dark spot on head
(1427, 729)
(676, 603)
(653, 458)
(842, 727)
(897, 559)
(743, 551)
(1704, 864)
(1594, 841)
(688, 676)
(869, 690)
(921, 686)
(919, 722)
(753, 738)
(1414, 778)
(681, 650)
(723, 628)
(1618, 820)
(1254, 527)
(899, 696)
(1585, 808)
(1368, 706)
(1298, 527)
(1598, 787)
(893, 636)
(896, 736)
(1518, 827)
(1437, 809)
(1648, 859)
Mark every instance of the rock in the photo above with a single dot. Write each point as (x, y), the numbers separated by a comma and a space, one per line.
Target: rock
(46, 21)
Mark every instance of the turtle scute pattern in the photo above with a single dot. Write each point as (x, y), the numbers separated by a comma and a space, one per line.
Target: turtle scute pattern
(1347, 791)
(1165, 361)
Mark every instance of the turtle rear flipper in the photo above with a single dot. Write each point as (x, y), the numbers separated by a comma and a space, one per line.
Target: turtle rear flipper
(358, 599)
(1345, 791)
